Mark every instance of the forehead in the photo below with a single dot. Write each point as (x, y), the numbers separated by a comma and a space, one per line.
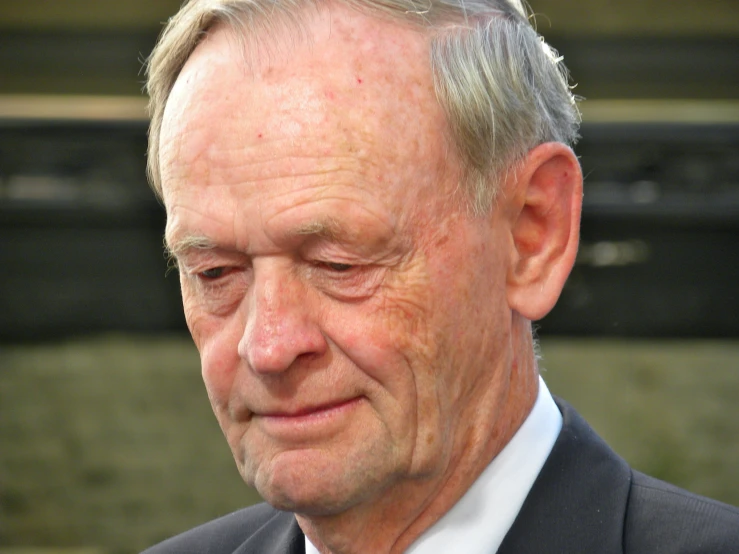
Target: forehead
(349, 98)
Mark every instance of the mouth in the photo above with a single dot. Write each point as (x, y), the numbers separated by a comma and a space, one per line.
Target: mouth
(306, 421)
(309, 411)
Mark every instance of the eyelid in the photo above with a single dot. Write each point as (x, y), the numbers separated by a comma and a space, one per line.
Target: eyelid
(222, 269)
(338, 267)
(197, 261)
(359, 281)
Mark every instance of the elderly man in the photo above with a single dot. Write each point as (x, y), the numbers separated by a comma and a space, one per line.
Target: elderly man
(368, 202)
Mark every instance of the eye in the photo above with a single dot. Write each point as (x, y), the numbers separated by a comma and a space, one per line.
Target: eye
(339, 267)
(213, 273)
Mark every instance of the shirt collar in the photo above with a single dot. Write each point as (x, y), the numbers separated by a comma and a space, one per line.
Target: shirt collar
(479, 521)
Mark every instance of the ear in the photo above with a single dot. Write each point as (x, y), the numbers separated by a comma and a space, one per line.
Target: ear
(544, 204)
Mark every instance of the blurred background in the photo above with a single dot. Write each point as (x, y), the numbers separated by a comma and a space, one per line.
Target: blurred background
(107, 443)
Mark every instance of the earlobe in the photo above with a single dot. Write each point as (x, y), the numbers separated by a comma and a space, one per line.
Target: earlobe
(545, 228)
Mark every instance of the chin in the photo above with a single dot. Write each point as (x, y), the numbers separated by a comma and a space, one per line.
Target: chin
(310, 483)
(318, 498)
(306, 504)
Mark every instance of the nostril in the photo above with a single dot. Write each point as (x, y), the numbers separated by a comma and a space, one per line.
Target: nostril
(271, 348)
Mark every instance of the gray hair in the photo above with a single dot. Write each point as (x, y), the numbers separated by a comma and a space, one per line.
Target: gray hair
(504, 90)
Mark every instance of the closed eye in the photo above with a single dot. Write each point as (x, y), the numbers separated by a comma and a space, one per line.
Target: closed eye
(212, 273)
(338, 267)
(346, 281)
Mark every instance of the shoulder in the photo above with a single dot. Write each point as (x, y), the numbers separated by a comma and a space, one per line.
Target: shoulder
(602, 505)
(662, 518)
(225, 534)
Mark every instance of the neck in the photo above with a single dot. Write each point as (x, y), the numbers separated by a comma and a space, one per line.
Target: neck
(393, 521)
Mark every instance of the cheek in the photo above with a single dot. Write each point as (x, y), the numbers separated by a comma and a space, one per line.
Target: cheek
(194, 315)
(218, 368)
(387, 338)
(395, 342)
(216, 339)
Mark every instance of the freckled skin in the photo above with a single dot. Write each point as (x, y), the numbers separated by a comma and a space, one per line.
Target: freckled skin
(417, 334)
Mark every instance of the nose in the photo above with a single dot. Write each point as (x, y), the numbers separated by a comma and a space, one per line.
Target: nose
(280, 325)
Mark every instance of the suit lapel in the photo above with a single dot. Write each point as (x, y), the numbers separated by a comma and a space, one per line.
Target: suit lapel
(578, 502)
(280, 535)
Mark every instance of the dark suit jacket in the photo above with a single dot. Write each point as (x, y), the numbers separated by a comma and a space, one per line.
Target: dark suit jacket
(586, 500)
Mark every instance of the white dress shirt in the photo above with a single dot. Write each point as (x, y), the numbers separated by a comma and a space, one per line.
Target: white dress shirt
(480, 520)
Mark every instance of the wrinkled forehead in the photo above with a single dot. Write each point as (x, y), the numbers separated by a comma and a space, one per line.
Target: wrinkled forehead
(324, 45)
(340, 85)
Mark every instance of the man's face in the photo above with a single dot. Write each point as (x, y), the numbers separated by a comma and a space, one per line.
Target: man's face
(350, 316)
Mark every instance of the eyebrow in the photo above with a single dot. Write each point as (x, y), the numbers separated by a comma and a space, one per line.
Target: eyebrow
(326, 228)
(184, 244)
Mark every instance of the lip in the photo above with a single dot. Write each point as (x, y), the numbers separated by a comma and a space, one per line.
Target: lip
(307, 421)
